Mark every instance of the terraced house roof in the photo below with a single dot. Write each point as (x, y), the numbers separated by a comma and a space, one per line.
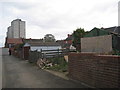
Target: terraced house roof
(115, 30)
(14, 41)
(45, 44)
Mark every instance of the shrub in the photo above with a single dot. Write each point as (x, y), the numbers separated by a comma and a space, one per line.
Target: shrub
(59, 64)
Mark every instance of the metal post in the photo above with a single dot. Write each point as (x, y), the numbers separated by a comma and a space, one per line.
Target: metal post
(58, 52)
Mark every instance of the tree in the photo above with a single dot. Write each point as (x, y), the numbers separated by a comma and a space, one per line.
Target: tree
(77, 34)
(49, 38)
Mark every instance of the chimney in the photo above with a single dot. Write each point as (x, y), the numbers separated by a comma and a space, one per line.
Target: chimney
(102, 27)
(68, 35)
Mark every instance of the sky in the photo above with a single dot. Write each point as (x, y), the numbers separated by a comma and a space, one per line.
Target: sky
(57, 17)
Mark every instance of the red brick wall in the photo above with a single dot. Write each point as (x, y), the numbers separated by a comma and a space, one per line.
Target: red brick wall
(95, 70)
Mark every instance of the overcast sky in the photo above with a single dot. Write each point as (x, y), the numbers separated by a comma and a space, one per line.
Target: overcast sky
(57, 17)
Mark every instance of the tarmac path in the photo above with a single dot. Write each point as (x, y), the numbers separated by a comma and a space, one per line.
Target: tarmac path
(19, 73)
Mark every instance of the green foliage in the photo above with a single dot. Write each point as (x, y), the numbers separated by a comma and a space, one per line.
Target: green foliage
(77, 34)
(58, 60)
(60, 68)
(59, 64)
(116, 52)
(21, 46)
(49, 38)
(87, 32)
(18, 47)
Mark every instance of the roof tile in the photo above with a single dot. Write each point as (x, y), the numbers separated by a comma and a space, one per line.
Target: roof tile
(14, 41)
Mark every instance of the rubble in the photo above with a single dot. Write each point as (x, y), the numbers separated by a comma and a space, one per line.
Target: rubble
(43, 63)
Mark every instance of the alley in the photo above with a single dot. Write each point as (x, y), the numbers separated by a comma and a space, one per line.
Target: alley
(21, 74)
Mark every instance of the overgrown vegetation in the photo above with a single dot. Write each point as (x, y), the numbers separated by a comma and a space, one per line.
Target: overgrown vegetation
(59, 64)
(116, 52)
(77, 35)
(18, 47)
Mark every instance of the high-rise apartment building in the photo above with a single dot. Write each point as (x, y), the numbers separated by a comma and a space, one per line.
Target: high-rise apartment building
(10, 32)
(17, 29)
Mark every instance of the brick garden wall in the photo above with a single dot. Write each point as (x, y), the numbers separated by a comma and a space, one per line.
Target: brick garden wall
(99, 71)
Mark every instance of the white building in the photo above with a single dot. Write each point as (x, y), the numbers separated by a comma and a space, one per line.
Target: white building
(17, 29)
(10, 32)
(22, 29)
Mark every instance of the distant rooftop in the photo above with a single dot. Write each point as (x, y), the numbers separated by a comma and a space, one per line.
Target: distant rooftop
(115, 29)
(45, 44)
(32, 40)
(14, 41)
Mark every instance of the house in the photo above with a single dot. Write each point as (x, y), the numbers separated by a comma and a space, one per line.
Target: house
(30, 40)
(104, 40)
(69, 39)
(11, 42)
(61, 42)
(115, 30)
(44, 46)
(38, 44)
(68, 42)
(14, 44)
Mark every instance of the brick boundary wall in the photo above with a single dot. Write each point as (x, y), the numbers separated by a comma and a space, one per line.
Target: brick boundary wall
(100, 71)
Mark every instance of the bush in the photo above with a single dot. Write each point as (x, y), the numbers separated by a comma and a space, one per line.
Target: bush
(116, 52)
(59, 64)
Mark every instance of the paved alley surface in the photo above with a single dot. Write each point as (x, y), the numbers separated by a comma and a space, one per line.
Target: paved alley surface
(21, 74)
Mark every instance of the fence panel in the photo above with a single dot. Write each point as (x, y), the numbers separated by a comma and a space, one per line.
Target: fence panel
(34, 56)
(54, 53)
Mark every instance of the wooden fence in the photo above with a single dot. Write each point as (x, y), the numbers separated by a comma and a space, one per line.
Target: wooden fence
(35, 55)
